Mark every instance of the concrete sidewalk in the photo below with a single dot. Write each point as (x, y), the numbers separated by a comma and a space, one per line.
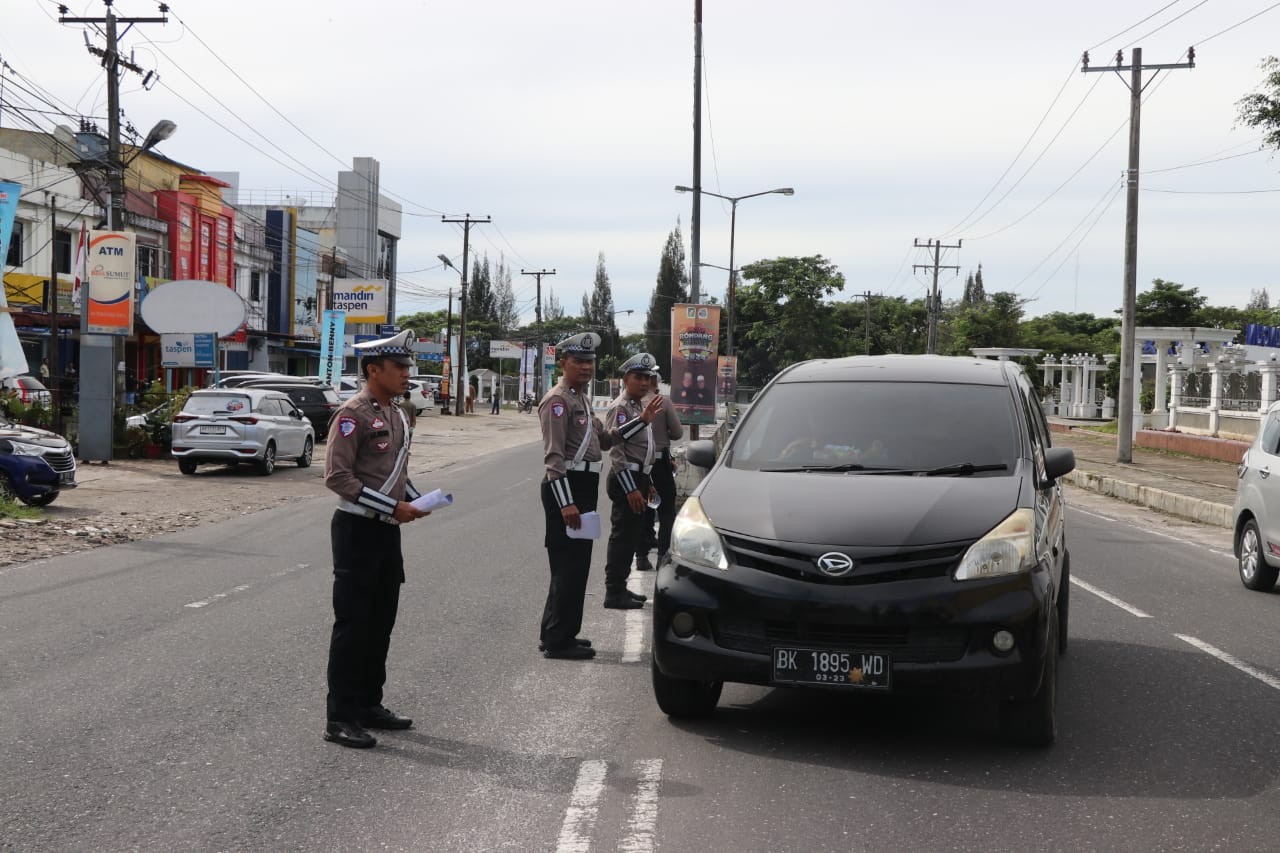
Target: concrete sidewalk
(1194, 488)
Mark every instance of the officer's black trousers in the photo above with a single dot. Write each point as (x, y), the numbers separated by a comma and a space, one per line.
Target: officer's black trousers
(627, 535)
(664, 481)
(570, 561)
(368, 570)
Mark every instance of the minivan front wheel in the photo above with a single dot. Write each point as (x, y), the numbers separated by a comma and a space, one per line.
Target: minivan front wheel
(1254, 572)
(681, 697)
(1034, 721)
(267, 463)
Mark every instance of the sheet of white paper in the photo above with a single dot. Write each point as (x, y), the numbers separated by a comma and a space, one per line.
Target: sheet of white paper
(590, 528)
(431, 501)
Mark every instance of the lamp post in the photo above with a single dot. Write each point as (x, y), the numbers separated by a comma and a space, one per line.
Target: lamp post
(733, 222)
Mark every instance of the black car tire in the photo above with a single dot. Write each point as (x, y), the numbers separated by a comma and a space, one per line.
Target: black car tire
(1034, 721)
(7, 491)
(681, 697)
(267, 463)
(41, 500)
(1064, 603)
(187, 466)
(1255, 573)
(304, 461)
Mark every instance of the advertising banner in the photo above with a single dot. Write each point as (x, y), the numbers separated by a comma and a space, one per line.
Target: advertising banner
(13, 362)
(505, 349)
(112, 271)
(187, 350)
(695, 334)
(727, 383)
(364, 301)
(332, 325)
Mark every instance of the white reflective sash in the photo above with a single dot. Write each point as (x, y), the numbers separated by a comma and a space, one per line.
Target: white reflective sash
(402, 456)
(586, 438)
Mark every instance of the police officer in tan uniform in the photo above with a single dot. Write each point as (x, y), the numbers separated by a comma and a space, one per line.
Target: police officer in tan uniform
(629, 486)
(366, 464)
(665, 427)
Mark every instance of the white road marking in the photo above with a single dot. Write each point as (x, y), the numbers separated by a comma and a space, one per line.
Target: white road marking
(644, 808)
(1108, 597)
(205, 602)
(633, 636)
(584, 803)
(1179, 539)
(517, 485)
(1231, 660)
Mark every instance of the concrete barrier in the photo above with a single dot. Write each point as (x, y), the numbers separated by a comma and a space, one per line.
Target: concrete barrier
(1172, 503)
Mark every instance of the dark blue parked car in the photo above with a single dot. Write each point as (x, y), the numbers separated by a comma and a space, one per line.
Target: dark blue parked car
(35, 464)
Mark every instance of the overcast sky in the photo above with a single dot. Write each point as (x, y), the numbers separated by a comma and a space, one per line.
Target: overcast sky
(570, 122)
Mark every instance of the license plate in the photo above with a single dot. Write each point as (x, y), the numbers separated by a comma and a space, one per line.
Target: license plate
(213, 430)
(832, 667)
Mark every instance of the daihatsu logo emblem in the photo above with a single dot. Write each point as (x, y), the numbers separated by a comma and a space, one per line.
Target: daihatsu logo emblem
(835, 564)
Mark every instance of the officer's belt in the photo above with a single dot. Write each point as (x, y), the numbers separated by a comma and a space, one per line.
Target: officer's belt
(635, 466)
(592, 467)
(662, 454)
(356, 509)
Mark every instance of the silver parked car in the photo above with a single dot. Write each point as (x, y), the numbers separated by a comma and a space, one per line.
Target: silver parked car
(1257, 509)
(232, 425)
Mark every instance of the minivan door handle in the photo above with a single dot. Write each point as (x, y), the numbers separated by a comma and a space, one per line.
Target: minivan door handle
(1264, 472)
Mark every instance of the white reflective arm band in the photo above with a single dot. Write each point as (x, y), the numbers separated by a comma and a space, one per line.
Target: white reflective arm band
(631, 427)
(563, 494)
(377, 501)
(627, 481)
(410, 492)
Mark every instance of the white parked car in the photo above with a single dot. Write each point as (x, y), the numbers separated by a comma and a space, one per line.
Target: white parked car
(1257, 508)
(233, 425)
(421, 395)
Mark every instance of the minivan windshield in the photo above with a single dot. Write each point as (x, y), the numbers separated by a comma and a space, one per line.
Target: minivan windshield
(207, 404)
(885, 427)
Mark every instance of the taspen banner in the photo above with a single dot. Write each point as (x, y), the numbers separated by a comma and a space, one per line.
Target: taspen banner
(695, 336)
(333, 325)
(13, 361)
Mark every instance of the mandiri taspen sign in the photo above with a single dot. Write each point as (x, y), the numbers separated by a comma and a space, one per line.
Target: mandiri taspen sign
(363, 300)
(112, 268)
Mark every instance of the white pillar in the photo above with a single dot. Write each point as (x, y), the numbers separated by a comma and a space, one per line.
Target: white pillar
(1064, 388)
(1215, 395)
(1177, 373)
(1162, 374)
(1137, 387)
(1268, 369)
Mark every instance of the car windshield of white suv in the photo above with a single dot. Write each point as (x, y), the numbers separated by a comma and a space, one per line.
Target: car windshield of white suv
(208, 404)
(916, 428)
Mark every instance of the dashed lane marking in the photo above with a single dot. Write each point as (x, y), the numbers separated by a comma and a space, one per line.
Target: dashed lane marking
(1108, 597)
(633, 628)
(1231, 660)
(584, 804)
(1179, 539)
(644, 808)
(205, 602)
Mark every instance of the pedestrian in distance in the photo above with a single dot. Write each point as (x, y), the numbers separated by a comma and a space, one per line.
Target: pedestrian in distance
(366, 465)
(497, 405)
(630, 487)
(571, 439)
(666, 426)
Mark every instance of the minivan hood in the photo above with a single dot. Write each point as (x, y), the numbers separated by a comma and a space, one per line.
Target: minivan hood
(856, 510)
(32, 435)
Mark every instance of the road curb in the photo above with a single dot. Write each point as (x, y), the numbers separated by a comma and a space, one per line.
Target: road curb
(1172, 503)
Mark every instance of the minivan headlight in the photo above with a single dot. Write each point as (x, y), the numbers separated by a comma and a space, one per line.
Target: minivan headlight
(694, 540)
(1008, 549)
(18, 448)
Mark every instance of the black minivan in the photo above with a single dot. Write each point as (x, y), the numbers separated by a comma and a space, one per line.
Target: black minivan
(883, 524)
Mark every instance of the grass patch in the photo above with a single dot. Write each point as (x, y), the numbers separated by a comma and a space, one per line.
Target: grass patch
(13, 509)
(1110, 428)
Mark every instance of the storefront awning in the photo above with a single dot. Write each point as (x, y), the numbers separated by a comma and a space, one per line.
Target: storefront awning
(24, 290)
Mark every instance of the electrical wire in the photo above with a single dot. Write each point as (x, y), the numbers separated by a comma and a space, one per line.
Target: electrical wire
(1135, 26)
(1233, 26)
(1076, 247)
(1165, 24)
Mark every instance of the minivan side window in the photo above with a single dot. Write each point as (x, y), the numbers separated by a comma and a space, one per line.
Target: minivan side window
(1271, 435)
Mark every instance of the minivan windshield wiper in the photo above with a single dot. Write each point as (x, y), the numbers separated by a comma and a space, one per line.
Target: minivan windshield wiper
(846, 466)
(961, 469)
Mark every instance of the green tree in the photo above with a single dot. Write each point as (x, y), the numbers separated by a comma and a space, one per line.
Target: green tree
(1261, 109)
(974, 292)
(425, 324)
(480, 302)
(553, 310)
(992, 323)
(671, 287)
(600, 318)
(783, 317)
(505, 312)
(1062, 333)
(1168, 303)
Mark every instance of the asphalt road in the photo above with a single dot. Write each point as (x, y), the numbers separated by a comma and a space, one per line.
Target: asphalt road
(169, 694)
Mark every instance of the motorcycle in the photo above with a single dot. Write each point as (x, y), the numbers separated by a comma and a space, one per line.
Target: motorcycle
(526, 404)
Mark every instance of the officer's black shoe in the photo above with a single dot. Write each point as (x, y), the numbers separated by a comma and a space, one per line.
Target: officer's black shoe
(581, 641)
(638, 597)
(348, 734)
(570, 652)
(379, 717)
(622, 601)
(643, 564)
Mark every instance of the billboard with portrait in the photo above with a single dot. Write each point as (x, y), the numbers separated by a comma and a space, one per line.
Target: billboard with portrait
(695, 337)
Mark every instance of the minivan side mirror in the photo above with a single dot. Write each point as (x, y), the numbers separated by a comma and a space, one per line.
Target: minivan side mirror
(701, 453)
(1059, 461)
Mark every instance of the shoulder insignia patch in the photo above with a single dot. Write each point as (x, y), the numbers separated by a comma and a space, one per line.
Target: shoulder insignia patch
(557, 410)
(346, 425)
(622, 418)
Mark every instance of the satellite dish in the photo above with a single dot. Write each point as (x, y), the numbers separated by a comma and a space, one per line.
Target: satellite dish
(185, 307)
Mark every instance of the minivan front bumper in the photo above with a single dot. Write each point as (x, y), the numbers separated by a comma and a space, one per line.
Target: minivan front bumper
(937, 632)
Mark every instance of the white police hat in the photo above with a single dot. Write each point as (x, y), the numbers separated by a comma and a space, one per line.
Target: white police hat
(582, 345)
(397, 348)
(639, 363)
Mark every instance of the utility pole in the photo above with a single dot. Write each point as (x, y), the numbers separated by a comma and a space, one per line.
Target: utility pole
(448, 346)
(537, 379)
(866, 297)
(51, 305)
(466, 221)
(935, 304)
(695, 222)
(1130, 365)
(100, 382)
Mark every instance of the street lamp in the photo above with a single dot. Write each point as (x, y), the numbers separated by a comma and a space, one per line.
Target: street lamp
(733, 222)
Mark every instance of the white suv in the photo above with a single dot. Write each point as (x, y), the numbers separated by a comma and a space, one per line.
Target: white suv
(233, 425)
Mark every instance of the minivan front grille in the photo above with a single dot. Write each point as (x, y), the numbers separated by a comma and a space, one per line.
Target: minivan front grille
(790, 562)
(62, 462)
(904, 643)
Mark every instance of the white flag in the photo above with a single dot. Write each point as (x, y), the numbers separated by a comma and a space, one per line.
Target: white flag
(78, 269)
